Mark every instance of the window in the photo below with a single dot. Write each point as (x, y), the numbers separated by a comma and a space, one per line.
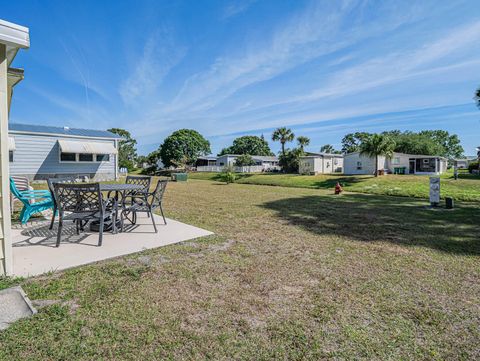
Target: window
(103, 157)
(85, 157)
(396, 160)
(10, 156)
(359, 165)
(68, 157)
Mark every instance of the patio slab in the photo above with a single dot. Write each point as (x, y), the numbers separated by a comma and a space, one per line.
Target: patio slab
(34, 250)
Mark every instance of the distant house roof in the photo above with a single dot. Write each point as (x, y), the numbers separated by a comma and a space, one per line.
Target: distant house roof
(313, 154)
(64, 131)
(263, 158)
(208, 157)
(406, 155)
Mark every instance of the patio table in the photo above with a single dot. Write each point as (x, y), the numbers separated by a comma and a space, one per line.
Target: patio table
(119, 189)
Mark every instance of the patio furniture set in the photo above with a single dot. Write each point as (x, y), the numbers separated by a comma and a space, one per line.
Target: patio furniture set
(105, 206)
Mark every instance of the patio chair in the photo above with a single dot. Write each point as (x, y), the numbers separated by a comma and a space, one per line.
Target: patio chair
(34, 201)
(149, 203)
(137, 196)
(85, 203)
(51, 182)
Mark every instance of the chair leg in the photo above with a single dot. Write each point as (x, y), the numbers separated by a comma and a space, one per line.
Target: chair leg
(100, 232)
(114, 223)
(161, 210)
(77, 226)
(59, 232)
(153, 221)
(53, 217)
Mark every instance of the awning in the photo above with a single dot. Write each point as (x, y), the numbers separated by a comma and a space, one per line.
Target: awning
(11, 143)
(71, 146)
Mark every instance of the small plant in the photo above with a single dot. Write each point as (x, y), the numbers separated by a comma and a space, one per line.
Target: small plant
(228, 174)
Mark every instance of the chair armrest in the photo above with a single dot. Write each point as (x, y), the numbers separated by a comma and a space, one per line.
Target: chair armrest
(35, 194)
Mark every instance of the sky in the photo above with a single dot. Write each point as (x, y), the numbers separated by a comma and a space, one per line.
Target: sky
(230, 68)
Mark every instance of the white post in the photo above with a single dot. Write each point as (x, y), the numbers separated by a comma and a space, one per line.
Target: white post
(5, 223)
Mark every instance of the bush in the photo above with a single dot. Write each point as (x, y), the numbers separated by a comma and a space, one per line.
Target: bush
(228, 174)
(472, 166)
(291, 160)
(244, 160)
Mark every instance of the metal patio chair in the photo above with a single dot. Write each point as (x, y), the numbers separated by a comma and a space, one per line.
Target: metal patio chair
(51, 182)
(34, 201)
(148, 203)
(85, 203)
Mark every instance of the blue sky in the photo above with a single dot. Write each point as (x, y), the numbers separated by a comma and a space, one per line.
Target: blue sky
(230, 68)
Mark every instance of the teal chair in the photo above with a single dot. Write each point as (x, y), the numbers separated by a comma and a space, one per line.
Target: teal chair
(33, 201)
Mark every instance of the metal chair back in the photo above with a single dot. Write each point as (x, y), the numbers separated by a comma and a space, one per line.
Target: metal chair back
(79, 198)
(143, 181)
(52, 181)
(158, 193)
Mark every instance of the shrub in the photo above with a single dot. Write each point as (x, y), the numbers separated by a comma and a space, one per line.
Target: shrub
(244, 160)
(228, 174)
(290, 161)
(472, 166)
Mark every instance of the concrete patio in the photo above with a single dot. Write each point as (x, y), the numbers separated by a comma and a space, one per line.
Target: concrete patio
(34, 250)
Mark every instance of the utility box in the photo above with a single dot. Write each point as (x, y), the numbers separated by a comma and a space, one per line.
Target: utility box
(449, 204)
(179, 177)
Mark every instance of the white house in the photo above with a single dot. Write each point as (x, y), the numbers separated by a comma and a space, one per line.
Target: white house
(316, 163)
(216, 164)
(400, 163)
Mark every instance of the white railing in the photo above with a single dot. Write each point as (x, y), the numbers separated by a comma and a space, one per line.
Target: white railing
(216, 168)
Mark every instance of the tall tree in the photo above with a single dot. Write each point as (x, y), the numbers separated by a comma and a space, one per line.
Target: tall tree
(450, 143)
(127, 151)
(248, 144)
(283, 135)
(378, 145)
(351, 142)
(183, 147)
(477, 97)
(328, 148)
(303, 142)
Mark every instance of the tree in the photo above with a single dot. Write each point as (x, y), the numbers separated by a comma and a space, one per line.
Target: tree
(290, 160)
(378, 145)
(302, 142)
(351, 142)
(328, 148)
(415, 143)
(244, 160)
(450, 143)
(183, 147)
(127, 153)
(248, 144)
(477, 97)
(283, 135)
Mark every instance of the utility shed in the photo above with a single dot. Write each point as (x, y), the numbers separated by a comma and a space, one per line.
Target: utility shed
(40, 152)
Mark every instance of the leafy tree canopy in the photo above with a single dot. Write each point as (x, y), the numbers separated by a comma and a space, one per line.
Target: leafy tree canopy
(303, 142)
(127, 152)
(244, 160)
(183, 147)
(283, 135)
(378, 145)
(328, 148)
(248, 144)
(290, 160)
(428, 142)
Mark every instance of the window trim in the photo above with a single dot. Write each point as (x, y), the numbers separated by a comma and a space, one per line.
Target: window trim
(77, 158)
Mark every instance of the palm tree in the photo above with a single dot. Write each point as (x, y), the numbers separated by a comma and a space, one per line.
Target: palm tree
(477, 97)
(378, 145)
(283, 135)
(327, 148)
(303, 142)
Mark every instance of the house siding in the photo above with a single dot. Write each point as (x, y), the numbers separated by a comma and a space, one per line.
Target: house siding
(368, 164)
(37, 157)
(320, 164)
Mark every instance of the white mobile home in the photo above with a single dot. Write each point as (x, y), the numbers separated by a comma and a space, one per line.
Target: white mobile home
(40, 152)
(317, 163)
(400, 163)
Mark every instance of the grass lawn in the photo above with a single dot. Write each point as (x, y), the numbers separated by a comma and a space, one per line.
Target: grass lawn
(291, 273)
(466, 188)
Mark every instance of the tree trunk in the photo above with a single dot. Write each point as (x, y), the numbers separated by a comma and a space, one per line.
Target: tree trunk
(283, 148)
(376, 166)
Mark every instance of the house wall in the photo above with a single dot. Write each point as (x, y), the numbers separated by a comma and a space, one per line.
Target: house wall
(367, 164)
(307, 165)
(225, 160)
(320, 164)
(38, 157)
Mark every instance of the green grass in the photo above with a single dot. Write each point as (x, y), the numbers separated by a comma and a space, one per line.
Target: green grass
(291, 274)
(466, 188)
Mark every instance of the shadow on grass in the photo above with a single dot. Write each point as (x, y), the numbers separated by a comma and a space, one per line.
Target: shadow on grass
(377, 218)
(344, 181)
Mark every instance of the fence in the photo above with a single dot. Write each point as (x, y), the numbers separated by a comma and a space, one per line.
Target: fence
(216, 168)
